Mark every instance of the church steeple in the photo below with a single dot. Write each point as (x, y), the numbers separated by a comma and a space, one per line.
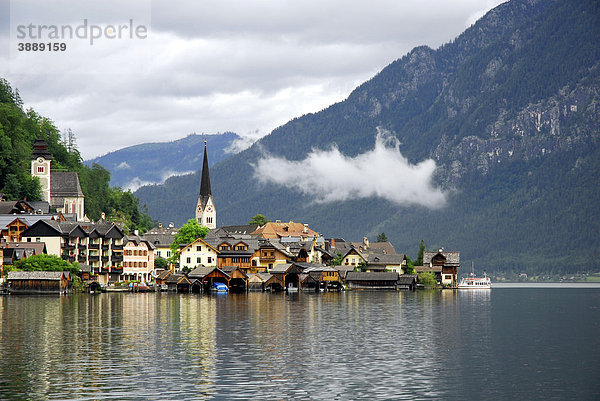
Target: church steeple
(205, 181)
(206, 214)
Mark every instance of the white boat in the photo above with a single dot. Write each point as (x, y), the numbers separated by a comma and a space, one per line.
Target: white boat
(474, 283)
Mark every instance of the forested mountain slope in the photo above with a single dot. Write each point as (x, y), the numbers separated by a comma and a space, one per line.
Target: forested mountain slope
(509, 111)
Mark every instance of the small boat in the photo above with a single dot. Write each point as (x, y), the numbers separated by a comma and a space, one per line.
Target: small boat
(219, 287)
(474, 283)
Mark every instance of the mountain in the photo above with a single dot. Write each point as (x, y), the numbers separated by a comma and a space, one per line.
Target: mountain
(510, 113)
(151, 163)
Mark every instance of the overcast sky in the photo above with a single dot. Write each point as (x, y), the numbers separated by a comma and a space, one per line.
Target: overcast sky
(182, 66)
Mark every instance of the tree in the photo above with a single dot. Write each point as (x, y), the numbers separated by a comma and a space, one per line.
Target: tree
(419, 261)
(410, 266)
(189, 232)
(337, 261)
(259, 219)
(160, 263)
(382, 237)
(427, 279)
(46, 263)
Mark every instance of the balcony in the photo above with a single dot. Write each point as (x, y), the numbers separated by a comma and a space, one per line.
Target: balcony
(93, 258)
(105, 247)
(82, 247)
(117, 247)
(117, 257)
(94, 246)
(68, 247)
(105, 258)
(68, 258)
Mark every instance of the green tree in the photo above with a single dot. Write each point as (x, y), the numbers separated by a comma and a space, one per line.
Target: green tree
(410, 266)
(189, 232)
(427, 279)
(382, 237)
(160, 263)
(419, 261)
(259, 219)
(46, 263)
(337, 261)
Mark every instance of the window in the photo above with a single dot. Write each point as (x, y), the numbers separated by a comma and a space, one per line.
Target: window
(253, 262)
(198, 248)
(38, 239)
(198, 260)
(209, 219)
(158, 253)
(188, 260)
(168, 254)
(40, 169)
(209, 260)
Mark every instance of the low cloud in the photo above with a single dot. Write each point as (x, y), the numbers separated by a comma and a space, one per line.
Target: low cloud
(329, 176)
(137, 182)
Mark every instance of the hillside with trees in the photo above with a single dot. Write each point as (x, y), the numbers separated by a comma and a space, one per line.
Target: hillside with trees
(20, 128)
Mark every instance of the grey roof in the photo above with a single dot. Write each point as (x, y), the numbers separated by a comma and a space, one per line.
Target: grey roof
(282, 268)
(452, 257)
(385, 259)
(29, 219)
(42, 206)
(372, 276)
(159, 240)
(407, 278)
(40, 149)
(136, 239)
(63, 184)
(37, 275)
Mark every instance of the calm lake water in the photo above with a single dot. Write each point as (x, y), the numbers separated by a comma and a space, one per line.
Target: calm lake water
(507, 343)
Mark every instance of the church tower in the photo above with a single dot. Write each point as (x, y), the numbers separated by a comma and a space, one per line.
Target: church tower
(40, 166)
(206, 215)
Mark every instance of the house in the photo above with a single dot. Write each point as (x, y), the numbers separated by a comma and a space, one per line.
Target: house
(198, 253)
(407, 282)
(372, 280)
(278, 230)
(446, 265)
(264, 282)
(289, 275)
(12, 226)
(238, 279)
(38, 282)
(236, 252)
(325, 277)
(270, 254)
(14, 251)
(207, 276)
(99, 245)
(138, 259)
(161, 238)
(177, 282)
(386, 262)
(354, 258)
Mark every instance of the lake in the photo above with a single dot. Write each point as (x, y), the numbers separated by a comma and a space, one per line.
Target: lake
(513, 342)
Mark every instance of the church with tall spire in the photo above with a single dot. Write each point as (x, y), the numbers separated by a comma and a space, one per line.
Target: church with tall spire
(206, 214)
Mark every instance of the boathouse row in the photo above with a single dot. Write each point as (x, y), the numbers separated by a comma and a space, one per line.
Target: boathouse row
(291, 277)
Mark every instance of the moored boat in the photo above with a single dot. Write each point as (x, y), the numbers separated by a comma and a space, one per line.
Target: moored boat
(474, 283)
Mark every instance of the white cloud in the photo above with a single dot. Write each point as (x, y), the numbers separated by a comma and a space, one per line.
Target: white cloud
(137, 182)
(328, 175)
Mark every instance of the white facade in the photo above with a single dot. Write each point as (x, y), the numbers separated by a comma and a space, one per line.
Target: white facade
(138, 261)
(40, 167)
(197, 253)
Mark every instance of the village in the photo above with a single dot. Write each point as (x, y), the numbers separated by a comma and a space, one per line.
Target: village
(274, 256)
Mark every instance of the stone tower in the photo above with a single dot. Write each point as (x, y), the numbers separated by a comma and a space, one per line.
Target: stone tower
(206, 214)
(40, 166)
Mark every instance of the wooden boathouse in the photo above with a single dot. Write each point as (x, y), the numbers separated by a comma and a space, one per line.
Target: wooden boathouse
(38, 282)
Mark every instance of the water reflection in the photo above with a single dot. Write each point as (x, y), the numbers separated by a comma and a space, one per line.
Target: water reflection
(354, 345)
